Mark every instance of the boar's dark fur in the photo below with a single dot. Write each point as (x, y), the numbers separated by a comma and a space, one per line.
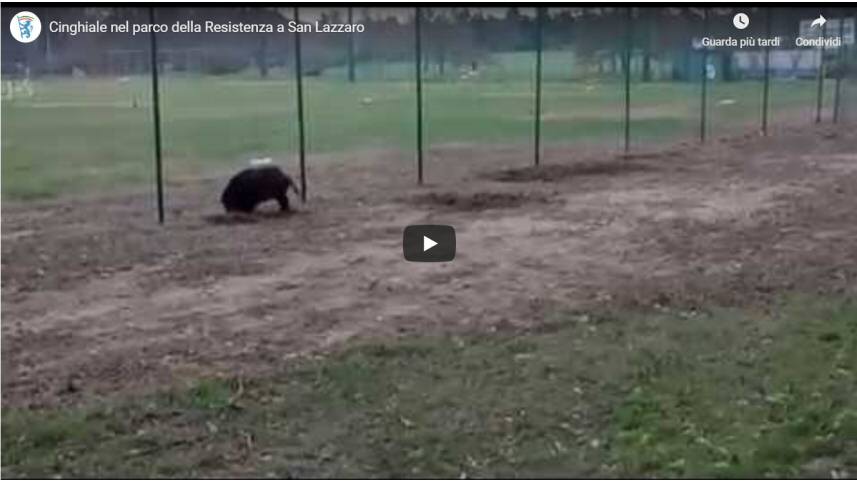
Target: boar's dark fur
(254, 186)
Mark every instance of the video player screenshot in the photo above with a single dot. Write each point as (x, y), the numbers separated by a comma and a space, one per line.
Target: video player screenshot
(429, 240)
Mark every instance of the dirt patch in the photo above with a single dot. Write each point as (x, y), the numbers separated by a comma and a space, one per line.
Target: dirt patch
(115, 302)
(245, 218)
(556, 172)
(230, 219)
(657, 155)
(478, 201)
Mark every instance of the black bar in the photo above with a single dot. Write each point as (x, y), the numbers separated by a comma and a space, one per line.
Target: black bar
(628, 42)
(540, 11)
(841, 67)
(156, 114)
(819, 101)
(350, 46)
(703, 109)
(418, 56)
(300, 89)
(766, 88)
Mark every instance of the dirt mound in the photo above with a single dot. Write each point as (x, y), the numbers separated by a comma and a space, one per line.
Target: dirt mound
(478, 201)
(557, 172)
(670, 153)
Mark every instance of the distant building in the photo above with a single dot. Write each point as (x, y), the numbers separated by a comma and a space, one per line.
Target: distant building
(791, 63)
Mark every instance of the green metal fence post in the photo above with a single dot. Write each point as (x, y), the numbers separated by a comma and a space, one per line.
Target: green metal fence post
(703, 108)
(350, 46)
(156, 115)
(819, 101)
(766, 89)
(300, 94)
(628, 46)
(841, 67)
(538, 108)
(418, 60)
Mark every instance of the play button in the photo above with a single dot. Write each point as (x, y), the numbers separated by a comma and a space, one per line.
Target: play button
(429, 243)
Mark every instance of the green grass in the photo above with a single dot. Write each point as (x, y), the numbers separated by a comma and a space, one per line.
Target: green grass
(780, 395)
(84, 136)
(725, 394)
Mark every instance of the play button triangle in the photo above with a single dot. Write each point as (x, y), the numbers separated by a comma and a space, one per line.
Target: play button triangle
(428, 243)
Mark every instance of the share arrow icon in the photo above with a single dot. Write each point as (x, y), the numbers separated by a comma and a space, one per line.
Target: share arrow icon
(820, 21)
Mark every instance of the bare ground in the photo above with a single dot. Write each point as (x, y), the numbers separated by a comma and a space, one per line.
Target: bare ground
(97, 298)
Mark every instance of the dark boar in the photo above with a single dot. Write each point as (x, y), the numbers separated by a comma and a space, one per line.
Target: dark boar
(255, 185)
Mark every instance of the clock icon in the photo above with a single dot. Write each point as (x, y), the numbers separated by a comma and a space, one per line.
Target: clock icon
(741, 21)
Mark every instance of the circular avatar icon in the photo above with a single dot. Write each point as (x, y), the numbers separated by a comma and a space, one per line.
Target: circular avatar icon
(25, 27)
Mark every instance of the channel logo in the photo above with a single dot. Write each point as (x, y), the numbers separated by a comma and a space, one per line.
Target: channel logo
(25, 27)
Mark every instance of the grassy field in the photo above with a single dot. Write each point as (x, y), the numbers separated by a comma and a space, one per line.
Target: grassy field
(77, 136)
(682, 394)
